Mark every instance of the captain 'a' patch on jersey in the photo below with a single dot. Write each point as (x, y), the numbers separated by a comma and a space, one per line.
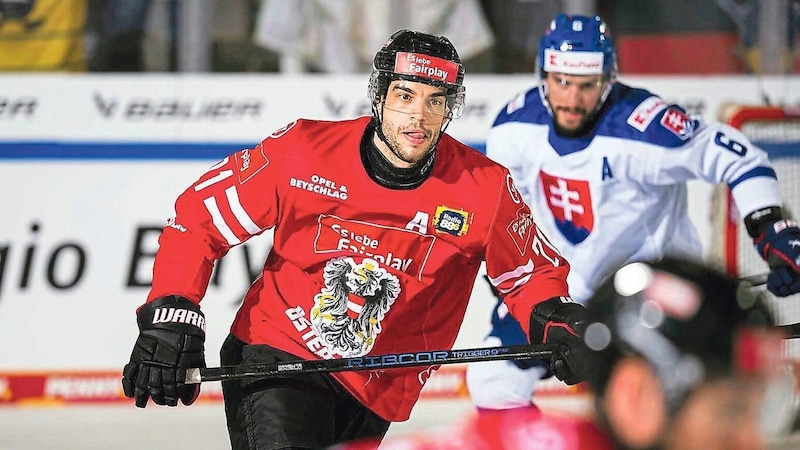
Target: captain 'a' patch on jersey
(570, 202)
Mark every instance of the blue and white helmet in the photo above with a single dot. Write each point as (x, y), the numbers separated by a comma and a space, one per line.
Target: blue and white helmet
(578, 45)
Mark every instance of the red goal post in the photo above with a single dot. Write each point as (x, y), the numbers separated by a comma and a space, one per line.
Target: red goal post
(776, 130)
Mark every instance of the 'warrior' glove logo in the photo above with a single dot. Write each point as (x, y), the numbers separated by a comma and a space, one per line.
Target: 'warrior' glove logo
(179, 315)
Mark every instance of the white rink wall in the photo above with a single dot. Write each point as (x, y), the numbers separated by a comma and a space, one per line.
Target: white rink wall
(90, 166)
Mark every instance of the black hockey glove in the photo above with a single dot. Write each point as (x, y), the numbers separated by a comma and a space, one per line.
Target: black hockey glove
(778, 242)
(171, 339)
(561, 321)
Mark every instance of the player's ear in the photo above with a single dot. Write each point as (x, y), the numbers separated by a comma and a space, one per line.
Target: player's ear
(634, 403)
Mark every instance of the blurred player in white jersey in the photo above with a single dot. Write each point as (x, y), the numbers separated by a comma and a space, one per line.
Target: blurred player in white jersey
(604, 168)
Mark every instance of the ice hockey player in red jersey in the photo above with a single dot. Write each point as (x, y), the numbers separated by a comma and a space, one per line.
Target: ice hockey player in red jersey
(683, 358)
(380, 226)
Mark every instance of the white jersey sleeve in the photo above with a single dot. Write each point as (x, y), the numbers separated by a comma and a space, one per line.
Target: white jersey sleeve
(718, 153)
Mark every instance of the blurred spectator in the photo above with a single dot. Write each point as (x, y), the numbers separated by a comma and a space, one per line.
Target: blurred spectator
(42, 35)
(341, 36)
(672, 37)
(517, 26)
(745, 13)
(233, 48)
(116, 34)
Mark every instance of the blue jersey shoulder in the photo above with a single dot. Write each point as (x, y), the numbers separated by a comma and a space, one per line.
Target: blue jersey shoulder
(525, 107)
(637, 114)
(628, 113)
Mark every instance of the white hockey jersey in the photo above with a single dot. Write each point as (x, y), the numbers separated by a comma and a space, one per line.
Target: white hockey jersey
(618, 194)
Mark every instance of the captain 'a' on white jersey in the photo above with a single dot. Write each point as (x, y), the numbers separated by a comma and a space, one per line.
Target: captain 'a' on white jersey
(619, 193)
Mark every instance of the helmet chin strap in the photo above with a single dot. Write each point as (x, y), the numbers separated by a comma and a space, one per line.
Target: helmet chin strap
(379, 132)
(377, 112)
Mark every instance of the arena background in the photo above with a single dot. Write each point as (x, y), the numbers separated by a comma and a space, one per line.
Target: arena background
(90, 166)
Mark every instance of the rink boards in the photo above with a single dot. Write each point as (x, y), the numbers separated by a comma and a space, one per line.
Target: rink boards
(91, 164)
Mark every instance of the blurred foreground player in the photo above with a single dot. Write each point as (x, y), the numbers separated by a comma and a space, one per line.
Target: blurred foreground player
(682, 357)
(604, 167)
(381, 225)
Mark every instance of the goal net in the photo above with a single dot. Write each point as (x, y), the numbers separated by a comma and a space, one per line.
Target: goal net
(777, 131)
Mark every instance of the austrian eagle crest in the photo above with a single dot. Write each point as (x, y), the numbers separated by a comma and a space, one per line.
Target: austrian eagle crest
(347, 313)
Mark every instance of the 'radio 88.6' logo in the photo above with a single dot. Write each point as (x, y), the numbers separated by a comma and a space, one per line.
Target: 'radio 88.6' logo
(451, 221)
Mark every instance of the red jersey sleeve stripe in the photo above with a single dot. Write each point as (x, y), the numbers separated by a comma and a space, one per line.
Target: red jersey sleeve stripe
(239, 212)
(219, 221)
(216, 178)
(522, 274)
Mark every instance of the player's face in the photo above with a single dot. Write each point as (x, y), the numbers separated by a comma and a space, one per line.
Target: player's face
(720, 415)
(572, 98)
(745, 409)
(413, 114)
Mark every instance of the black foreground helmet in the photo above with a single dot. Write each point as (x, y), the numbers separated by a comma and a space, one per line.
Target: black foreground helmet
(687, 320)
(419, 57)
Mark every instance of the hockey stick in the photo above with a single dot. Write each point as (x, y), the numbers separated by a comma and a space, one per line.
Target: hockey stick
(756, 280)
(370, 362)
(791, 330)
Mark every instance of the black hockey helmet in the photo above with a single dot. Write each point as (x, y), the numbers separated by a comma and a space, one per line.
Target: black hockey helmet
(689, 321)
(419, 57)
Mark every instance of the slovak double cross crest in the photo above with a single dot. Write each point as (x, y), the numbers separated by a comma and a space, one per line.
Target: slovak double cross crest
(570, 202)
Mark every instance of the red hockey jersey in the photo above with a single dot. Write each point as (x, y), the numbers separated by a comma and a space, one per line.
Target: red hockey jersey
(357, 268)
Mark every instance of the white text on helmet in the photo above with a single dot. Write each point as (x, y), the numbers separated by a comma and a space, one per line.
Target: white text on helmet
(573, 63)
(407, 63)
